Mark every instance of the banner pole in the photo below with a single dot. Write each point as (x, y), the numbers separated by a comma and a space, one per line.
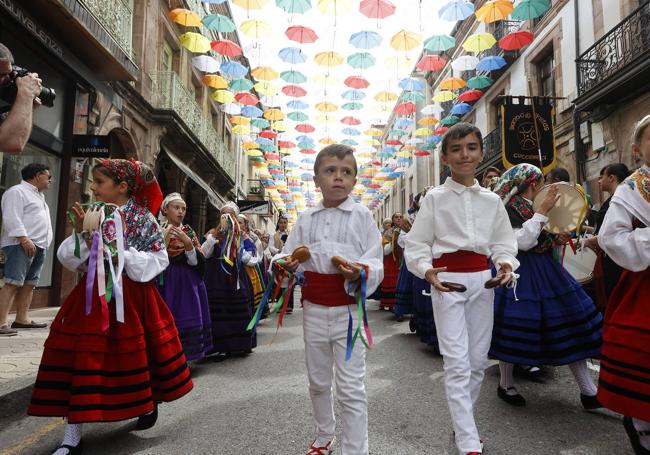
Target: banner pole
(537, 138)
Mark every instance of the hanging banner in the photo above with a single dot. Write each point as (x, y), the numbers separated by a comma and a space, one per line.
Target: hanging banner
(520, 136)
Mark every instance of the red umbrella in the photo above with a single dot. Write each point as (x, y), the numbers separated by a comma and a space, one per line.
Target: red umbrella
(440, 131)
(305, 128)
(294, 90)
(286, 144)
(301, 34)
(376, 163)
(349, 120)
(356, 82)
(246, 98)
(376, 9)
(374, 185)
(393, 142)
(470, 95)
(268, 134)
(421, 153)
(226, 47)
(308, 151)
(272, 156)
(516, 40)
(432, 63)
(406, 108)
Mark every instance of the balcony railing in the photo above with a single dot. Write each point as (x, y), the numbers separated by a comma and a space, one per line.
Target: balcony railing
(117, 19)
(628, 42)
(170, 93)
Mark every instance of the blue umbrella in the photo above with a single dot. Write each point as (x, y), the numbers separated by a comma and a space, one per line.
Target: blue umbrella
(353, 95)
(403, 122)
(412, 85)
(264, 142)
(389, 150)
(233, 69)
(306, 145)
(303, 137)
(297, 104)
(292, 55)
(251, 111)
(491, 63)
(461, 109)
(298, 116)
(351, 142)
(308, 160)
(456, 10)
(365, 40)
(351, 132)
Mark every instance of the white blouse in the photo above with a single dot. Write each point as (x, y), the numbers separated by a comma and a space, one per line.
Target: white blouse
(211, 241)
(529, 232)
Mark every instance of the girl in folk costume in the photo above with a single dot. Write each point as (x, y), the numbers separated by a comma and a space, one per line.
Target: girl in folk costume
(404, 289)
(392, 260)
(547, 319)
(228, 250)
(113, 351)
(253, 268)
(276, 245)
(624, 384)
(181, 284)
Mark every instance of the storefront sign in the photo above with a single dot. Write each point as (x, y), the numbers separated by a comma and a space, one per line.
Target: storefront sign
(90, 146)
(254, 207)
(26, 21)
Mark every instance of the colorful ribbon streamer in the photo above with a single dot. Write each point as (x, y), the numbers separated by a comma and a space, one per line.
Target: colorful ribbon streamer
(362, 315)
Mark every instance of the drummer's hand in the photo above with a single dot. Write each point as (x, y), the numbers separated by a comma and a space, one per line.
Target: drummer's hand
(289, 263)
(432, 278)
(563, 238)
(591, 243)
(350, 272)
(549, 201)
(79, 214)
(505, 270)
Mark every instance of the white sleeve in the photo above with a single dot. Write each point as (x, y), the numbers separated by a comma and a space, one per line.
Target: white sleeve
(401, 239)
(418, 253)
(273, 249)
(388, 248)
(294, 240)
(628, 247)
(503, 243)
(208, 246)
(191, 257)
(12, 214)
(66, 256)
(529, 232)
(144, 266)
(372, 256)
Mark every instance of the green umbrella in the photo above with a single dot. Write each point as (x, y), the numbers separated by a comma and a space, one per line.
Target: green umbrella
(240, 85)
(361, 60)
(479, 82)
(530, 9)
(294, 6)
(293, 77)
(439, 43)
(218, 23)
(298, 116)
(412, 96)
(398, 133)
(429, 146)
(260, 123)
(352, 106)
(450, 120)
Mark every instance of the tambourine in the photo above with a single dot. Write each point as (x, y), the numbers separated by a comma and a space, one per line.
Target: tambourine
(581, 264)
(93, 215)
(568, 212)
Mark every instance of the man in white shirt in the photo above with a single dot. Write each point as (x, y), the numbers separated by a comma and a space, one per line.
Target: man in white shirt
(26, 234)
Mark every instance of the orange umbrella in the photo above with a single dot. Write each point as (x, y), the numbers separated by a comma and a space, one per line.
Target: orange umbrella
(185, 17)
(215, 81)
(494, 10)
(453, 83)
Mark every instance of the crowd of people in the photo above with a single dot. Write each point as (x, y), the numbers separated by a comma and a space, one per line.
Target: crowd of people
(471, 265)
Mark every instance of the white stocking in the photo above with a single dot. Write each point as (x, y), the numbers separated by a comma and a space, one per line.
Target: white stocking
(71, 437)
(642, 425)
(582, 376)
(507, 380)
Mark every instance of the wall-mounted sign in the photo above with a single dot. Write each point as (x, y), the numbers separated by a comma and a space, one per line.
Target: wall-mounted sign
(254, 207)
(90, 146)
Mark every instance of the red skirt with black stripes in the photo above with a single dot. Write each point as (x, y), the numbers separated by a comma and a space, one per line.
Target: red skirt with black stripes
(388, 287)
(90, 375)
(624, 383)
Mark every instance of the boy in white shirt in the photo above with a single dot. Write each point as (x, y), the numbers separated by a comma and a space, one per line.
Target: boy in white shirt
(459, 227)
(337, 226)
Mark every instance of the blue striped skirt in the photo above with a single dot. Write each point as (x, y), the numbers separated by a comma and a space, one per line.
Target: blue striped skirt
(404, 304)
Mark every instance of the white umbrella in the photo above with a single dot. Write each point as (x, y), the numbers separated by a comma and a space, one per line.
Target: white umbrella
(231, 108)
(414, 141)
(465, 63)
(432, 109)
(205, 63)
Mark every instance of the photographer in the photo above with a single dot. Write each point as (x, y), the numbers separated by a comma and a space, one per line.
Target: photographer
(16, 125)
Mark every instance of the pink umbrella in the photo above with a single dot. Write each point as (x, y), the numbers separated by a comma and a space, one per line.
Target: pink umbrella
(356, 82)
(301, 34)
(226, 47)
(349, 120)
(246, 98)
(286, 144)
(294, 90)
(432, 63)
(406, 108)
(377, 9)
(305, 128)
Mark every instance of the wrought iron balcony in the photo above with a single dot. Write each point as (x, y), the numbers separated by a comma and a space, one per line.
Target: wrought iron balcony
(170, 93)
(618, 64)
(491, 150)
(116, 18)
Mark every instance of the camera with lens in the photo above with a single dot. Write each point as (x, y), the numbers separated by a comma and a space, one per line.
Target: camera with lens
(9, 91)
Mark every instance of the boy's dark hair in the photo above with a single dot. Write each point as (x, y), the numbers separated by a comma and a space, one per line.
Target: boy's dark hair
(559, 174)
(280, 218)
(618, 170)
(32, 170)
(490, 169)
(338, 150)
(5, 53)
(459, 131)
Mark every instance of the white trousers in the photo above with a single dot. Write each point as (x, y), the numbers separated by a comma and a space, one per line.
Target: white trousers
(325, 333)
(464, 327)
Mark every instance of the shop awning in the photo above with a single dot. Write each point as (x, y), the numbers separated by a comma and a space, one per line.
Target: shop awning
(214, 199)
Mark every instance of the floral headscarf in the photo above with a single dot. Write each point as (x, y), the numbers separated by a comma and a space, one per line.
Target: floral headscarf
(140, 179)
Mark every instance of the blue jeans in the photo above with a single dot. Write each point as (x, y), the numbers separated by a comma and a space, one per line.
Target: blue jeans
(20, 269)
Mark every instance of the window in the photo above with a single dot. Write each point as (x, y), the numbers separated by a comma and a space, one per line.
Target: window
(167, 63)
(546, 75)
(227, 138)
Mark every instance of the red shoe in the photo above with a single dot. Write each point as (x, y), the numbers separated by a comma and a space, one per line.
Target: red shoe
(325, 450)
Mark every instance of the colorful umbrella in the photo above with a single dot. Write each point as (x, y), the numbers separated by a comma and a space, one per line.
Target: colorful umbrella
(250, 4)
(422, 132)
(365, 40)
(479, 42)
(416, 97)
(241, 129)
(439, 43)
(491, 63)
(444, 96)
(326, 106)
(205, 63)
(256, 28)
(233, 69)
(470, 95)
(334, 7)
(386, 96)
(411, 84)
(184, 17)
(194, 42)
(294, 6)
(214, 81)
(465, 63)
(293, 55)
(297, 104)
(297, 116)
(516, 40)
(251, 111)
(267, 88)
(260, 123)
(352, 106)
(456, 10)
(351, 132)
(230, 108)
(246, 98)
(328, 59)
(406, 108)
(301, 34)
(376, 9)
(218, 23)
(361, 60)
(494, 10)
(405, 41)
(461, 109)
(356, 82)
(264, 73)
(293, 77)
(353, 95)
(530, 9)
(224, 96)
(349, 120)
(428, 121)
(274, 114)
(450, 120)
(453, 83)
(431, 63)
(294, 91)
(226, 47)
(479, 82)
(240, 85)
(431, 109)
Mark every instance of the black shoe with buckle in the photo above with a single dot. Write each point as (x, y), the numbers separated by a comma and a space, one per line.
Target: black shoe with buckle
(512, 399)
(72, 450)
(146, 421)
(634, 434)
(590, 402)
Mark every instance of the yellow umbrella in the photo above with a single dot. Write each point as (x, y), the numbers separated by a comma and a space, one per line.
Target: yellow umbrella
(185, 17)
(327, 141)
(285, 151)
(250, 145)
(241, 129)
(265, 73)
(250, 4)
(453, 83)
(422, 132)
(334, 7)
(256, 28)
(494, 10)
(267, 88)
(373, 142)
(428, 121)
(239, 120)
(382, 107)
(325, 79)
(409, 148)
(329, 58)
(326, 106)
(279, 126)
(223, 96)
(254, 152)
(325, 118)
(479, 42)
(273, 114)
(215, 81)
(405, 40)
(444, 96)
(373, 132)
(386, 96)
(194, 42)
(397, 63)
(403, 154)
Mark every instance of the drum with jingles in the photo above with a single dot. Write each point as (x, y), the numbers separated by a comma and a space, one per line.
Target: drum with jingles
(569, 211)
